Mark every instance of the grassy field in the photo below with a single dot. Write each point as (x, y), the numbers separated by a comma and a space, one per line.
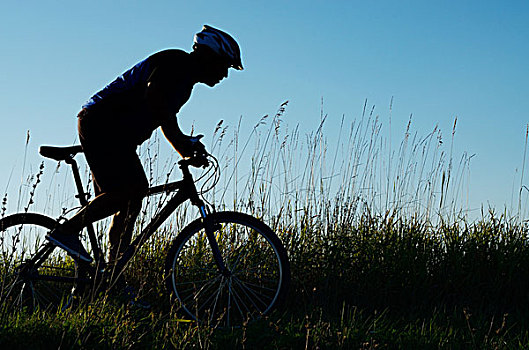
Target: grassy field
(382, 284)
(382, 253)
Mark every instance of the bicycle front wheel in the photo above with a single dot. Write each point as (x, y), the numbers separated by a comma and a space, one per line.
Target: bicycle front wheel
(34, 275)
(258, 273)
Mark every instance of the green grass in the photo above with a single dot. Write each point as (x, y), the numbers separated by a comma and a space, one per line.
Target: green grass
(382, 252)
(393, 295)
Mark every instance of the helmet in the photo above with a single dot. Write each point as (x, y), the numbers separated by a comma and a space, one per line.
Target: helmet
(221, 43)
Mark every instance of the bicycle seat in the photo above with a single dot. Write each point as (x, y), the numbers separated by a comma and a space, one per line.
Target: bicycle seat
(60, 153)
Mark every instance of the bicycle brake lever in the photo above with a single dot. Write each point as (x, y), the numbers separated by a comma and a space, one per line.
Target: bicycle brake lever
(197, 161)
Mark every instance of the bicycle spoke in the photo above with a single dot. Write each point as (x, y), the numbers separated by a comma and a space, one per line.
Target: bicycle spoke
(19, 299)
(192, 282)
(45, 299)
(196, 268)
(215, 305)
(39, 299)
(236, 262)
(12, 287)
(228, 310)
(237, 303)
(259, 286)
(237, 296)
(255, 297)
(204, 303)
(202, 289)
(44, 287)
(256, 265)
(13, 298)
(245, 289)
(57, 292)
(194, 287)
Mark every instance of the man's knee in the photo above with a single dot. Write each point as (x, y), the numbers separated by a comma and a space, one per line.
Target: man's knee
(130, 198)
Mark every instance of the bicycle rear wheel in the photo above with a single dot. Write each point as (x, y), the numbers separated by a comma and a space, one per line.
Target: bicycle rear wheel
(258, 274)
(34, 274)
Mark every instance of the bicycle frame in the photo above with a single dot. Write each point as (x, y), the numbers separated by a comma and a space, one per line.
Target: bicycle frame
(185, 189)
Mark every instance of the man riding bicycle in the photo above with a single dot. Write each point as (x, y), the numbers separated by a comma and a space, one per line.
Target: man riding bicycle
(123, 115)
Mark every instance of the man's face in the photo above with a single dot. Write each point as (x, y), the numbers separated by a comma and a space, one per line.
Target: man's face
(215, 72)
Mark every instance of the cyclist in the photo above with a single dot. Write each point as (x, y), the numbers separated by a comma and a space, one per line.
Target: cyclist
(123, 115)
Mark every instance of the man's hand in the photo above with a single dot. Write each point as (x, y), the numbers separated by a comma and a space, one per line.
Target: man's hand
(190, 146)
(187, 146)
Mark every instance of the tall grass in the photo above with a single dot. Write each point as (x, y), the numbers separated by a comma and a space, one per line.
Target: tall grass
(388, 223)
(290, 176)
(383, 253)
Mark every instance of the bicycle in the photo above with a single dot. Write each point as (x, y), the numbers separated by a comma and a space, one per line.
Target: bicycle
(222, 269)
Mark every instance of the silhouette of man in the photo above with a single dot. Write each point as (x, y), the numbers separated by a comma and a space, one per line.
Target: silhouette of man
(123, 115)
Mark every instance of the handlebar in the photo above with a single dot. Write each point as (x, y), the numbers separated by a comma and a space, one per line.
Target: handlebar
(205, 160)
(197, 161)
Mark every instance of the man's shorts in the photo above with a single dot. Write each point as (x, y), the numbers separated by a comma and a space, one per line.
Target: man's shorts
(112, 157)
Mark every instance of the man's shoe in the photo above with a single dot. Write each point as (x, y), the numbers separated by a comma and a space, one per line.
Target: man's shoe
(71, 243)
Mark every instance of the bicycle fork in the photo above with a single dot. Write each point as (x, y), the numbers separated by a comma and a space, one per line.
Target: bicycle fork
(206, 219)
(210, 234)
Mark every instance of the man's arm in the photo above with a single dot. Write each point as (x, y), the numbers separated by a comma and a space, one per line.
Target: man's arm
(174, 135)
(158, 107)
(161, 92)
(187, 146)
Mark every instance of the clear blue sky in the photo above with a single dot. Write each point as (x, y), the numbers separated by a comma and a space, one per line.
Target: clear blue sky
(437, 59)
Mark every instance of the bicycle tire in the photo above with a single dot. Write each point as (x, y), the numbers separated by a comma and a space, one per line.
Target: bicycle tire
(259, 275)
(29, 283)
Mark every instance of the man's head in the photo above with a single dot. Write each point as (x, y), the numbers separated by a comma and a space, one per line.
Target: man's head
(216, 52)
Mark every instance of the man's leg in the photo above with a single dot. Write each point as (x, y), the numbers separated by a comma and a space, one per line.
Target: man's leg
(104, 205)
(67, 235)
(117, 174)
(121, 229)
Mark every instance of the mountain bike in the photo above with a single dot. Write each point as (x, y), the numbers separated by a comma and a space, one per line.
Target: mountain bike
(223, 269)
